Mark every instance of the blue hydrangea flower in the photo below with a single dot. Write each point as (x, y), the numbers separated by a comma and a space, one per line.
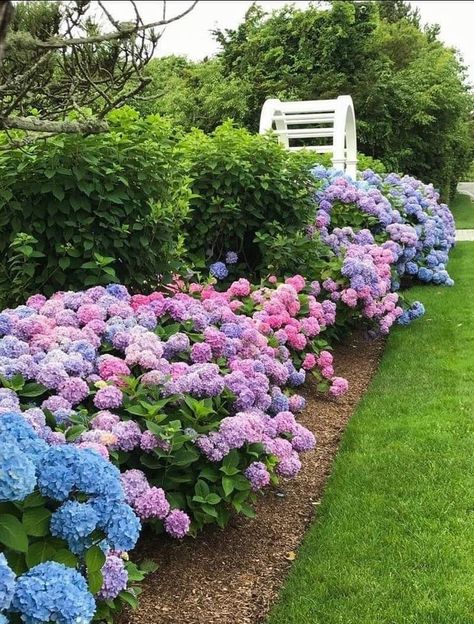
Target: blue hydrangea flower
(67, 467)
(118, 291)
(404, 319)
(7, 583)
(280, 403)
(17, 473)
(15, 430)
(74, 522)
(425, 274)
(411, 268)
(218, 270)
(231, 257)
(5, 324)
(52, 592)
(297, 378)
(122, 527)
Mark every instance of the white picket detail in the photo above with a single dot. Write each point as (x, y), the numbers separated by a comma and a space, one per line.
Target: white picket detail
(315, 119)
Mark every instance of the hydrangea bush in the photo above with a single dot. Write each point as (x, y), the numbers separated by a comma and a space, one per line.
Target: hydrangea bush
(185, 391)
(178, 408)
(65, 528)
(376, 209)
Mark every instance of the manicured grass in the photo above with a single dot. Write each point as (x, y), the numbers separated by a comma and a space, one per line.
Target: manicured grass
(393, 542)
(462, 208)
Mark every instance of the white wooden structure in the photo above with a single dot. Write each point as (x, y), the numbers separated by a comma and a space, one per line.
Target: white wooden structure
(315, 119)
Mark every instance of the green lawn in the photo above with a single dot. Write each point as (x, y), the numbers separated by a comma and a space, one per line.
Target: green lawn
(393, 541)
(462, 208)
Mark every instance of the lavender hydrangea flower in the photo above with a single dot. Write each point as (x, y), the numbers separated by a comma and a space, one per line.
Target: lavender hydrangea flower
(231, 257)
(115, 577)
(258, 475)
(108, 398)
(177, 523)
(152, 503)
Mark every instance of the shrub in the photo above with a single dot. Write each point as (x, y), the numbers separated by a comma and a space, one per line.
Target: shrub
(242, 185)
(58, 526)
(401, 212)
(78, 211)
(179, 391)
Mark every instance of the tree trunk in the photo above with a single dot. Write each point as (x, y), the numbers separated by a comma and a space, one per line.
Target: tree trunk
(6, 12)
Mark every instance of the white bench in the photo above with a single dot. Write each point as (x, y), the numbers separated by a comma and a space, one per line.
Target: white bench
(315, 119)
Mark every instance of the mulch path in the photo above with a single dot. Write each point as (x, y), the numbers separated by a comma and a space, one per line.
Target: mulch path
(233, 576)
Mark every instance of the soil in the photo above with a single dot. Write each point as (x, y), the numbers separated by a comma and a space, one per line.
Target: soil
(233, 576)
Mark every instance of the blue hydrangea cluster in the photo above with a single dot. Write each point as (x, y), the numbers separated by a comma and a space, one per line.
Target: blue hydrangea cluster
(7, 583)
(52, 592)
(219, 270)
(68, 469)
(20, 452)
(416, 310)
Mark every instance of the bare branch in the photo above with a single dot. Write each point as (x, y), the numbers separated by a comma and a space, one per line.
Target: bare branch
(126, 30)
(33, 124)
(110, 17)
(68, 63)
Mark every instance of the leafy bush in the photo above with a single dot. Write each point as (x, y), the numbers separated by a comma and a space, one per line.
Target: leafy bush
(78, 211)
(242, 184)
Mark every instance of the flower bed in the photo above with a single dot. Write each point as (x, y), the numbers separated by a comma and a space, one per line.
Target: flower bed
(191, 395)
(179, 407)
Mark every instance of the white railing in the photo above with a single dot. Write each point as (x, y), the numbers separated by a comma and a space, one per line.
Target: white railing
(315, 119)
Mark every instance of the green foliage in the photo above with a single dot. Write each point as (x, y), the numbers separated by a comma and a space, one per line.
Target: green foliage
(412, 103)
(242, 184)
(77, 211)
(193, 94)
(293, 253)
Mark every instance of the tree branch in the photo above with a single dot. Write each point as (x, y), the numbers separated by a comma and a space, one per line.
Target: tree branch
(125, 32)
(33, 124)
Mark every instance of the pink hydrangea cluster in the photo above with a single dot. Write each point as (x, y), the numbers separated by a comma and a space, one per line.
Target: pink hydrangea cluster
(286, 313)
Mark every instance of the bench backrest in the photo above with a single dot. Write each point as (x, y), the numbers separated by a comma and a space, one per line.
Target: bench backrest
(319, 120)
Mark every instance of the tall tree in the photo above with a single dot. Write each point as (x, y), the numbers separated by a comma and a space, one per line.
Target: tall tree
(411, 98)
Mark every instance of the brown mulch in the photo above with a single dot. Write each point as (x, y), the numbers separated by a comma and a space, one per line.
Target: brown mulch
(233, 576)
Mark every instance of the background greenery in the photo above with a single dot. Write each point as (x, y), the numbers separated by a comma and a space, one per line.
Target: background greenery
(412, 103)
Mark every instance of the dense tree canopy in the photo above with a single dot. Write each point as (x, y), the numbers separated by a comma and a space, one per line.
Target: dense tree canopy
(412, 103)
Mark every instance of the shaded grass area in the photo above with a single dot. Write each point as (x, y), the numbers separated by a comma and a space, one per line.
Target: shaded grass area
(393, 542)
(462, 208)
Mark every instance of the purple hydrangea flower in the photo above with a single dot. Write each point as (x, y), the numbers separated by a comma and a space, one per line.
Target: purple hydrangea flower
(177, 523)
(115, 578)
(258, 475)
(152, 504)
(108, 398)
